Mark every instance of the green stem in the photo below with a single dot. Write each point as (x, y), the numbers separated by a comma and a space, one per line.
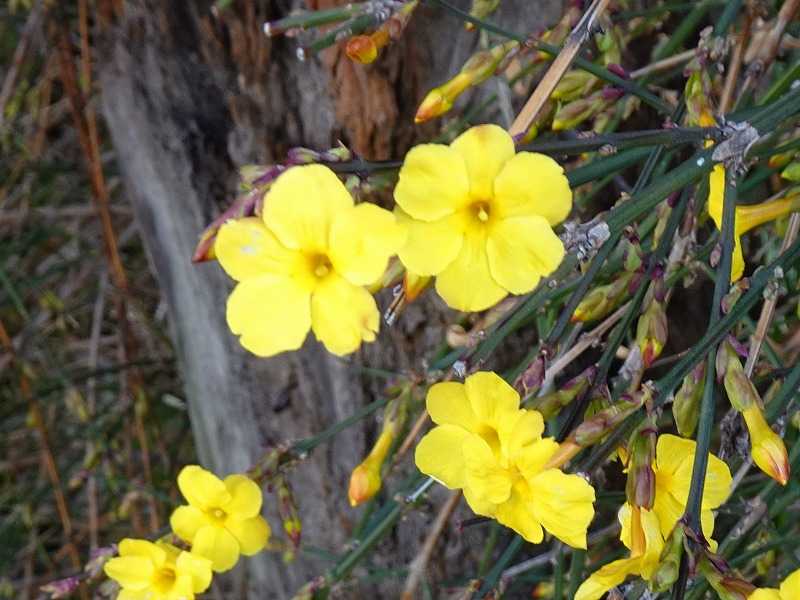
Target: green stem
(497, 570)
(691, 515)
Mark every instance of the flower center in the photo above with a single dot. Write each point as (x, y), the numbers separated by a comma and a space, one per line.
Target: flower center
(218, 515)
(489, 435)
(481, 211)
(321, 265)
(164, 579)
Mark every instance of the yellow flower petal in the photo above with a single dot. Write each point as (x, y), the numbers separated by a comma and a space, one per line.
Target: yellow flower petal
(182, 589)
(361, 242)
(439, 455)
(467, 284)
(668, 509)
(131, 572)
(342, 315)
(533, 184)
(197, 568)
(447, 403)
(768, 594)
(607, 577)
(246, 248)
(432, 183)
(484, 475)
(155, 553)
(517, 513)
(707, 525)
(218, 545)
(673, 452)
(479, 505)
(718, 482)
(532, 459)
(245, 497)
(790, 588)
(202, 488)
(653, 536)
(716, 194)
(563, 504)
(186, 521)
(485, 149)
(519, 430)
(430, 246)
(490, 397)
(252, 534)
(521, 250)
(302, 204)
(272, 314)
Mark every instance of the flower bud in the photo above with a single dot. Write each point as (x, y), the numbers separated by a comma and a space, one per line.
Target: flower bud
(593, 429)
(481, 9)
(686, 404)
(651, 332)
(570, 115)
(792, 171)
(478, 68)
(766, 446)
(365, 480)
(726, 583)
(549, 404)
(741, 391)
(362, 49)
(575, 84)
(530, 380)
(666, 574)
(287, 510)
(641, 485)
(601, 300)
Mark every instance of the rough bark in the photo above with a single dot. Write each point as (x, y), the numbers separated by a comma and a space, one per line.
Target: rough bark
(188, 98)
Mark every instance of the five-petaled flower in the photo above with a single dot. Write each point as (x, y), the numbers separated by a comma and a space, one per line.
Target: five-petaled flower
(480, 217)
(493, 450)
(304, 265)
(644, 531)
(158, 571)
(789, 590)
(222, 518)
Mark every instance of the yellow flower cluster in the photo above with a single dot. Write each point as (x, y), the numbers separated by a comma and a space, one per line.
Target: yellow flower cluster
(493, 450)
(220, 522)
(644, 531)
(475, 214)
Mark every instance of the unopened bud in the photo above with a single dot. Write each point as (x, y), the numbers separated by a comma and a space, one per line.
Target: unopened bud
(641, 485)
(364, 48)
(287, 510)
(574, 84)
(365, 480)
(686, 404)
(600, 424)
(725, 582)
(530, 380)
(792, 171)
(601, 300)
(766, 446)
(550, 404)
(741, 391)
(651, 332)
(481, 9)
(666, 574)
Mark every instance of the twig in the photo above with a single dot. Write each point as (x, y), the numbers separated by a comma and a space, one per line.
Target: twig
(664, 64)
(768, 310)
(557, 68)
(586, 341)
(769, 46)
(735, 66)
(412, 435)
(416, 569)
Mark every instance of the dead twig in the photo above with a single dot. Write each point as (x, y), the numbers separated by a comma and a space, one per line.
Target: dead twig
(558, 67)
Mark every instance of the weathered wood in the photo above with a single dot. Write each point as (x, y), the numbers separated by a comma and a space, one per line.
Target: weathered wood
(188, 98)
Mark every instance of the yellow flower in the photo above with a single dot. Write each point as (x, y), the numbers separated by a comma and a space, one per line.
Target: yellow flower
(148, 571)
(222, 518)
(480, 217)
(644, 531)
(305, 264)
(493, 450)
(746, 217)
(641, 534)
(790, 590)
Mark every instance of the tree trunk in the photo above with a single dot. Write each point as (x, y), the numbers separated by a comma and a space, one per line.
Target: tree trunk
(188, 98)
